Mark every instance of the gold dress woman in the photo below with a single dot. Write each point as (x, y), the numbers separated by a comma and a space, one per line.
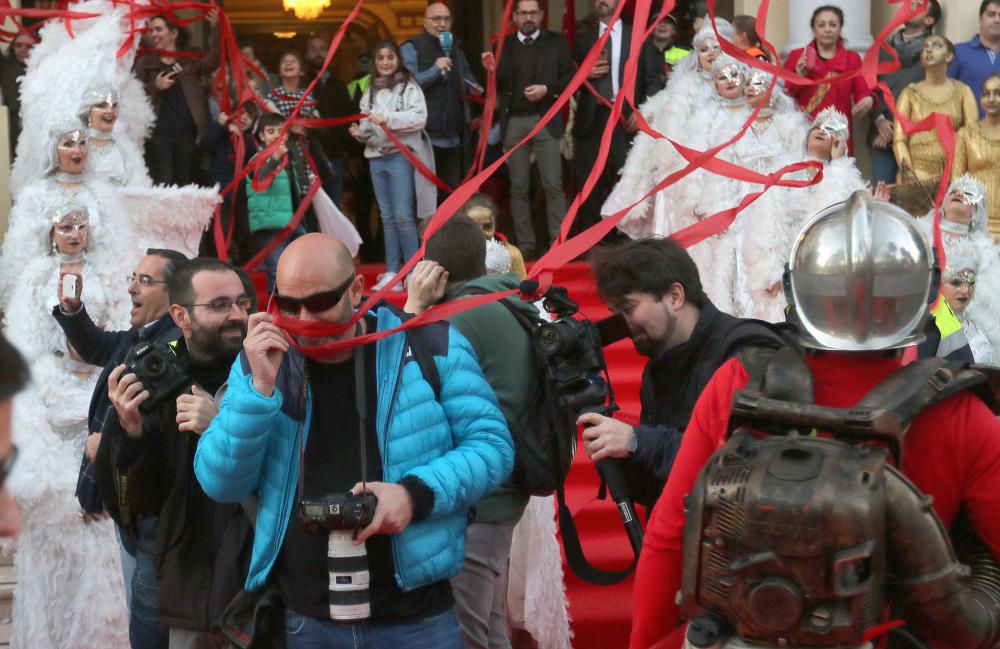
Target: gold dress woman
(919, 156)
(977, 151)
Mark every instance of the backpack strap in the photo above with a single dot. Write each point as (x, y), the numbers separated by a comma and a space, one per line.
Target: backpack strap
(420, 348)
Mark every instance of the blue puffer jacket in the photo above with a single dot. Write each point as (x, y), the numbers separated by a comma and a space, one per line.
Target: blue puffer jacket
(459, 447)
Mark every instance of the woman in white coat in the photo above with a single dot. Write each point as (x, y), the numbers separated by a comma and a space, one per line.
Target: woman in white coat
(395, 102)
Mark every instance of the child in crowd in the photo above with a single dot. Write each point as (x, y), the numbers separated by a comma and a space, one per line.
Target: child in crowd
(272, 204)
(218, 147)
(481, 209)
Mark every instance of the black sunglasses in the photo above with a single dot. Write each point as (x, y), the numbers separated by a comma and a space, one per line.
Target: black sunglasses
(315, 303)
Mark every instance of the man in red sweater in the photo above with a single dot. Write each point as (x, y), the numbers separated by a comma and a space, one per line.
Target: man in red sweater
(952, 448)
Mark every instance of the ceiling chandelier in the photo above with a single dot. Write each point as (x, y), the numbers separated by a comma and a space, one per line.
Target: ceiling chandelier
(306, 9)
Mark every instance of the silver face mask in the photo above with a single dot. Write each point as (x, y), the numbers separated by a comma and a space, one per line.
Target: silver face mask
(969, 190)
(832, 122)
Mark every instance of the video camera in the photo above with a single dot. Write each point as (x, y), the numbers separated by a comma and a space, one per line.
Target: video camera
(572, 351)
(161, 372)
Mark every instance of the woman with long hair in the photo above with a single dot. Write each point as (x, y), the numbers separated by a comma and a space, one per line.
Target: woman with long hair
(826, 57)
(393, 103)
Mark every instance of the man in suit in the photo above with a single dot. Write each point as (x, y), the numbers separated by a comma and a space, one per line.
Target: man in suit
(534, 69)
(592, 112)
(147, 288)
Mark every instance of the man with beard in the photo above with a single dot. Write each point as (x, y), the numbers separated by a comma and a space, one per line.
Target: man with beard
(534, 70)
(334, 101)
(654, 285)
(295, 428)
(147, 289)
(201, 546)
(446, 79)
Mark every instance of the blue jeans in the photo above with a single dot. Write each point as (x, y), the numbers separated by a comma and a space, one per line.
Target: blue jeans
(392, 178)
(884, 166)
(128, 567)
(439, 632)
(145, 631)
(262, 238)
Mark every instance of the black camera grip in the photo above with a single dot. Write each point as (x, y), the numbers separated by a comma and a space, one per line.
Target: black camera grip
(612, 471)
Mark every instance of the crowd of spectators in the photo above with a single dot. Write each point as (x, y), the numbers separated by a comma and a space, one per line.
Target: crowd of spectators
(264, 420)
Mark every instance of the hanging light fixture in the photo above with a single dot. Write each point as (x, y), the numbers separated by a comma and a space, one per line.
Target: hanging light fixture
(306, 9)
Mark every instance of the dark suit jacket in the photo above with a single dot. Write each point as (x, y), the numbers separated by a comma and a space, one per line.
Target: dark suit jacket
(107, 349)
(591, 114)
(554, 69)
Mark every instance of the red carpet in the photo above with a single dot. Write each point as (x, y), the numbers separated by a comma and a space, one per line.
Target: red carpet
(600, 615)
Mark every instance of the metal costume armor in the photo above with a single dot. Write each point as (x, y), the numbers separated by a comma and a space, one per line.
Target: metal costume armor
(798, 540)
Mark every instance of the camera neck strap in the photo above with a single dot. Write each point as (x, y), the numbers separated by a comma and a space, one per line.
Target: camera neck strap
(361, 404)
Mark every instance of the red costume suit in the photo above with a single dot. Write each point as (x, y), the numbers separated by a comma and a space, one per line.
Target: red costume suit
(812, 99)
(952, 452)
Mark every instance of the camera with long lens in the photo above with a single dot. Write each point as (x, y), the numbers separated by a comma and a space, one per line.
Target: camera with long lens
(341, 516)
(161, 372)
(572, 352)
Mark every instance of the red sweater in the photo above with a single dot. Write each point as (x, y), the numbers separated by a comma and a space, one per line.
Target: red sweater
(813, 99)
(952, 451)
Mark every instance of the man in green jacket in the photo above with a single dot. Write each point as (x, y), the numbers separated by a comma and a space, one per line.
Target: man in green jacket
(454, 267)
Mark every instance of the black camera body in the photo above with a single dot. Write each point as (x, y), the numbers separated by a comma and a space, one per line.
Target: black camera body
(161, 372)
(343, 511)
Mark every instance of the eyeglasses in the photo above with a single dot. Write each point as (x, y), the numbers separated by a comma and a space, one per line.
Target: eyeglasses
(70, 228)
(144, 280)
(224, 304)
(439, 19)
(315, 303)
(528, 14)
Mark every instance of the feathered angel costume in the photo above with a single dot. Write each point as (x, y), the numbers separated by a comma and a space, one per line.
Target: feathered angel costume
(973, 240)
(69, 592)
(960, 266)
(771, 223)
(670, 112)
(113, 158)
(69, 585)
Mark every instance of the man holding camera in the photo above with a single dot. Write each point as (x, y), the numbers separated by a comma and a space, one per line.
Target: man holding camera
(147, 289)
(655, 286)
(165, 396)
(299, 431)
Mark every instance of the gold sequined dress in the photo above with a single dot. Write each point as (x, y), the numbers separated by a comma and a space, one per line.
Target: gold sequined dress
(979, 154)
(926, 155)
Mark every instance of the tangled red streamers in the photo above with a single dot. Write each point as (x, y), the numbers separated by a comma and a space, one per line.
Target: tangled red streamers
(233, 73)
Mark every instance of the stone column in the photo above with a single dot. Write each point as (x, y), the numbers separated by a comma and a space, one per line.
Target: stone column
(857, 23)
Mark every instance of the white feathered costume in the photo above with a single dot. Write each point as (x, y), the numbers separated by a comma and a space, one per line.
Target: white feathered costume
(771, 223)
(671, 113)
(69, 593)
(974, 240)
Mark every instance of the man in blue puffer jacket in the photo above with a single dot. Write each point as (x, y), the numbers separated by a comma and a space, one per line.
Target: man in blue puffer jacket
(431, 458)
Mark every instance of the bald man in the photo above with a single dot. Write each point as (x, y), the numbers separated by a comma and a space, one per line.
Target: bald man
(446, 79)
(288, 431)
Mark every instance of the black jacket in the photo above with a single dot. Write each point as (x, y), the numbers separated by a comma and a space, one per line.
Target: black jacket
(202, 547)
(672, 383)
(107, 349)
(554, 69)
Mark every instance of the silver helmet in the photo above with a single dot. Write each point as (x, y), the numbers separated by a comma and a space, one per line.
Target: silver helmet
(860, 277)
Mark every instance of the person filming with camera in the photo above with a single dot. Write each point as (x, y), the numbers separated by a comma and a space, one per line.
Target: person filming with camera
(654, 284)
(165, 395)
(366, 460)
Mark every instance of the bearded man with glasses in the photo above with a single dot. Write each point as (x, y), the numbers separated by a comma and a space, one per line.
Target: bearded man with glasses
(145, 462)
(294, 429)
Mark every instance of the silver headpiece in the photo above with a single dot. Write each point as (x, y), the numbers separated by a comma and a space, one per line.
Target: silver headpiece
(969, 188)
(102, 95)
(72, 130)
(730, 69)
(963, 265)
(706, 32)
(832, 122)
(497, 258)
(70, 213)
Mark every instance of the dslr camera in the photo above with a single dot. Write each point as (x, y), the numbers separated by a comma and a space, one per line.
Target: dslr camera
(341, 515)
(161, 372)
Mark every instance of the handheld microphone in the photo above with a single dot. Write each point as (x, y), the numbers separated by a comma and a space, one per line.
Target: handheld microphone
(447, 42)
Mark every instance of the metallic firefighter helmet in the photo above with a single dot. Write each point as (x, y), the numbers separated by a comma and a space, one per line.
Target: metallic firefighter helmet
(860, 277)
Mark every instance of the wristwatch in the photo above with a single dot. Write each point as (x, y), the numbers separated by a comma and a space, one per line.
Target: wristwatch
(7, 464)
(633, 444)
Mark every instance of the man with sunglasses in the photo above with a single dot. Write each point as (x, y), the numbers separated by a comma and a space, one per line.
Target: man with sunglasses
(295, 428)
(150, 321)
(200, 546)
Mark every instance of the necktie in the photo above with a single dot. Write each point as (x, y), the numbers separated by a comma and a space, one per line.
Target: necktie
(528, 41)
